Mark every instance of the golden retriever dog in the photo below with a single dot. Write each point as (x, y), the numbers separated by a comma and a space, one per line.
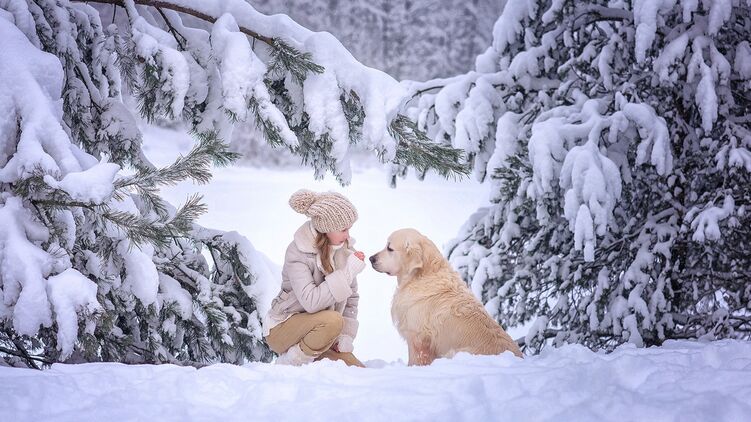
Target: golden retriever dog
(432, 308)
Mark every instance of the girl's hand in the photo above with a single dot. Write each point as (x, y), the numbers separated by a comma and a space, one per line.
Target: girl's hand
(355, 264)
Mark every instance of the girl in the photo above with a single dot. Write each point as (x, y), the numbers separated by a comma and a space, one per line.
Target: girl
(314, 316)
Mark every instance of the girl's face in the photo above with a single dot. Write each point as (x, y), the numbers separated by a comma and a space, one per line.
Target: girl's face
(337, 238)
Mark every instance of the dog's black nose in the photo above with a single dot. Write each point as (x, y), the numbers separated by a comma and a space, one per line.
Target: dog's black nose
(372, 259)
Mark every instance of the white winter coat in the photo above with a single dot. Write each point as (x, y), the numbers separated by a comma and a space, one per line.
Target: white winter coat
(306, 288)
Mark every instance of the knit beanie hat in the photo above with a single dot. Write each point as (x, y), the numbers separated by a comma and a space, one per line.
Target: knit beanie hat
(329, 211)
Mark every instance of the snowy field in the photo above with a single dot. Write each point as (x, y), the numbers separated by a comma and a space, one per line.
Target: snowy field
(681, 382)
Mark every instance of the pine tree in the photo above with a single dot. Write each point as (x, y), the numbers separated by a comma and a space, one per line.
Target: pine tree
(94, 264)
(616, 139)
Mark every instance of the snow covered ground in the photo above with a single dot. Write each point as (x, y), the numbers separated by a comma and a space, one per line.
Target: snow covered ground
(681, 381)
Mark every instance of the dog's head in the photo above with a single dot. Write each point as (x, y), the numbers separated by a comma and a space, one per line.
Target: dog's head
(407, 253)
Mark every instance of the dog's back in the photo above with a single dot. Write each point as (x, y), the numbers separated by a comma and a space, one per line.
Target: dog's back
(470, 329)
(439, 305)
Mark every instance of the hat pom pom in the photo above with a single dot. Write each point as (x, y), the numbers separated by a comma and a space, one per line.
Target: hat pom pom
(301, 200)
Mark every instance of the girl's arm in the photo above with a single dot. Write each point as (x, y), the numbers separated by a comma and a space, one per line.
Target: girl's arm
(349, 331)
(335, 287)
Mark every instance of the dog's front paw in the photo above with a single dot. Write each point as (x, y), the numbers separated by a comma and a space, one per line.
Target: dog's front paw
(422, 353)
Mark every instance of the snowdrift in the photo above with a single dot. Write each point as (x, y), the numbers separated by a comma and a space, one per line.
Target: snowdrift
(681, 381)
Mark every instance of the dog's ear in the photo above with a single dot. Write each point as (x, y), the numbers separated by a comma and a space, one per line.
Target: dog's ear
(413, 259)
(432, 259)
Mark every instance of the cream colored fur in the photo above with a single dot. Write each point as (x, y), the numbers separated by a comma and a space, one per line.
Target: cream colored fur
(432, 308)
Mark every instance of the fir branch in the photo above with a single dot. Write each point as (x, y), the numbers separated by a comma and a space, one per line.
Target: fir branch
(40, 193)
(313, 150)
(151, 199)
(148, 105)
(30, 360)
(20, 351)
(195, 166)
(415, 149)
(179, 38)
(140, 230)
(229, 253)
(354, 114)
(297, 63)
(125, 59)
(587, 15)
(217, 270)
(269, 129)
(188, 213)
(137, 228)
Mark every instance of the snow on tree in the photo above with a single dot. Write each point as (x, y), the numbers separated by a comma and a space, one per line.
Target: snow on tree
(94, 265)
(617, 140)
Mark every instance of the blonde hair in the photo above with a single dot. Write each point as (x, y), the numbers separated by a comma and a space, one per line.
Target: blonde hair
(323, 244)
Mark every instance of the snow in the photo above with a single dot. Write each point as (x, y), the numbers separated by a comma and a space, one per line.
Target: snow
(706, 224)
(740, 157)
(171, 291)
(604, 61)
(546, 152)
(593, 185)
(681, 381)
(141, 276)
(506, 144)
(448, 99)
(508, 26)
(655, 145)
(94, 185)
(31, 82)
(474, 119)
(18, 12)
(555, 7)
(689, 7)
(584, 237)
(241, 70)
(672, 52)
(70, 292)
(719, 13)
(24, 296)
(706, 98)
(742, 63)
(645, 18)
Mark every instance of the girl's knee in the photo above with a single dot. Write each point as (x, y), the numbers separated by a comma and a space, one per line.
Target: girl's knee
(332, 321)
(328, 326)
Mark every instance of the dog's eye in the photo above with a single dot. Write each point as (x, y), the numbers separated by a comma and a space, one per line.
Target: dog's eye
(388, 248)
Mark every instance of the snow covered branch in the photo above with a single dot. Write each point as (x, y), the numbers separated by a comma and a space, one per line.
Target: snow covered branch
(182, 7)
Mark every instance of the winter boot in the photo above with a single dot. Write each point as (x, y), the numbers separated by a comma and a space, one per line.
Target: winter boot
(294, 356)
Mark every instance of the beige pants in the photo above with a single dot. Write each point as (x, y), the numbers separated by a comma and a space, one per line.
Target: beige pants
(314, 332)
